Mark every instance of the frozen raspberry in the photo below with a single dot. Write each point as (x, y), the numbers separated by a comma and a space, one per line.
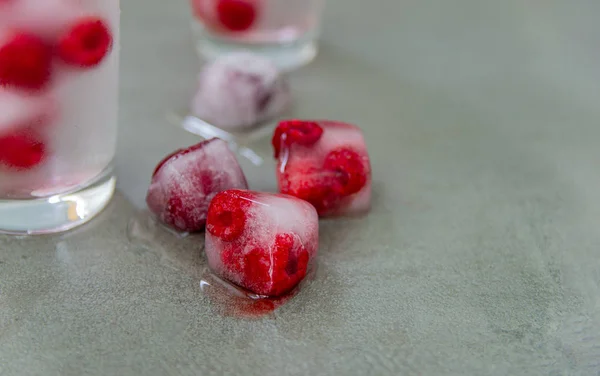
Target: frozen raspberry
(291, 263)
(237, 15)
(226, 217)
(278, 270)
(185, 182)
(350, 170)
(257, 271)
(25, 62)
(276, 237)
(311, 184)
(239, 90)
(22, 149)
(326, 163)
(86, 43)
(296, 131)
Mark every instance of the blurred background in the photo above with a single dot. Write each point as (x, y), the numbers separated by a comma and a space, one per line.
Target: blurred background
(514, 63)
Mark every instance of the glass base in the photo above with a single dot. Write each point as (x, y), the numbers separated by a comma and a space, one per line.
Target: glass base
(287, 56)
(57, 213)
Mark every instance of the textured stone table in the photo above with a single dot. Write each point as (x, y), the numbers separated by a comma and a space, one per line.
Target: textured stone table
(481, 256)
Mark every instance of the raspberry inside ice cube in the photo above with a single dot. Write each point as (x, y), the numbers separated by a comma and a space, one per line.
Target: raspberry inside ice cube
(296, 131)
(184, 183)
(325, 163)
(267, 245)
(239, 90)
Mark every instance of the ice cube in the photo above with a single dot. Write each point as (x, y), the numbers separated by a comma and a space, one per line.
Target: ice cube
(260, 241)
(239, 90)
(46, 18)
(18, 110)
(184, 183)
(325, 163)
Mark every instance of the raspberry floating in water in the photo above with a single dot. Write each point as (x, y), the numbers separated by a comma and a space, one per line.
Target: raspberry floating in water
(237, 15)
(185, 182)
(325, 163)
(23, 148)
(260, 241)
(86, 43)
(24, 122)
(240, 90)
(25, 62)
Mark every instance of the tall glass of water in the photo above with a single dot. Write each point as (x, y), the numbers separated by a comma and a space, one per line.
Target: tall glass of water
(58, 112)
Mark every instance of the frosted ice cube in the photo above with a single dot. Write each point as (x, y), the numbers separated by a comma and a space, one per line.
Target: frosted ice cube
(239, 90)
(185, 182)
(263, 242)
(325, 163)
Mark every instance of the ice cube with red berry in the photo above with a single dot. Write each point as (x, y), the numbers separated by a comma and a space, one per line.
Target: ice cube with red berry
(239, 90)
(184, 183)
(325, 163)
(263, 242)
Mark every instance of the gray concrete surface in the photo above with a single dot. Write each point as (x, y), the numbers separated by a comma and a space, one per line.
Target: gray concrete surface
(481, 255)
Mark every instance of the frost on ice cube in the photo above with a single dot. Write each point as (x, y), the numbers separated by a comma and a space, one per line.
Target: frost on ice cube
(325, 163)
(185, 182)
(260, 241)
(239, 90)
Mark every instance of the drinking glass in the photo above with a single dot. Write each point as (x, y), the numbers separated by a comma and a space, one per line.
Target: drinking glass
(284, 30)
(58, 112)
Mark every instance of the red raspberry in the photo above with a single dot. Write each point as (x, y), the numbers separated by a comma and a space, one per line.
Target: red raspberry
(25, 62)
(284, 243)
(296, 256)
(296, 131)
(290, 263)
(257, 271)
(302, 263)
(313, 185)
(273, 272)
(226, 215)
(22, 149)
(350, 170)
(237, 15)
(86, 43)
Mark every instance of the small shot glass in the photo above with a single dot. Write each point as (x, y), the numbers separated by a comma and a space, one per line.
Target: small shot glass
(286, 31)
